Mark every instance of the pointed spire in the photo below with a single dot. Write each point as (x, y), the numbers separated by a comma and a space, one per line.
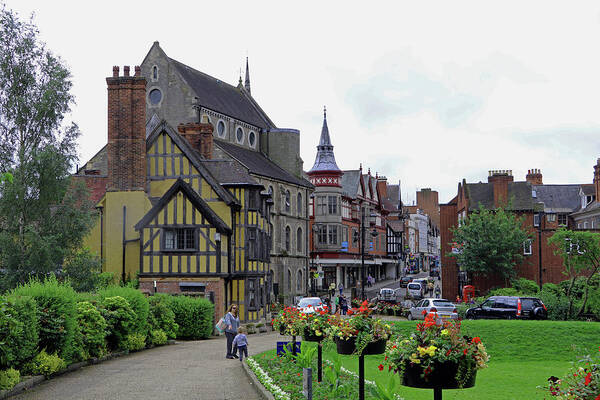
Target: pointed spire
(325, 160)
(240, 81)
(247, 83)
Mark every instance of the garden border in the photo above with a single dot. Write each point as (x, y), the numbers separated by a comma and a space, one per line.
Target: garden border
(37, 379)
(259, 386)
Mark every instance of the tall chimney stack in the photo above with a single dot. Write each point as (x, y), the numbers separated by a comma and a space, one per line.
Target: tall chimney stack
(126, 147)
(500, 179)
(534, 176)
(597, 179)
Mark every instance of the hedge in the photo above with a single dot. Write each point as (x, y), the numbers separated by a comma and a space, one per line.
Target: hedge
(138, 303)
(92, 326)
(194, 317)
(161, 317)
(57, 315)
(120, 319)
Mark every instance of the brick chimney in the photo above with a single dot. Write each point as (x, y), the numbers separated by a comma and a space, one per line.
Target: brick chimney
(597, 179)
(199, 135)
(126, 149)
(534, 176)
(499, 179)
(381, 185)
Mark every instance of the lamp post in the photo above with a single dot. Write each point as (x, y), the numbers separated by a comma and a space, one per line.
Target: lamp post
(315, 230)
(362, 251)
(540, 220)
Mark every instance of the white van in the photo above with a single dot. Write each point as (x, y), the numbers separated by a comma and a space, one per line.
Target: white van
(414, 290)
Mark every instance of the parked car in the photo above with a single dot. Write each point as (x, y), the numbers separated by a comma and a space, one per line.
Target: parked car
(405, 280)
(386, 294)
(308, 305)
(509, 307)
(442, 307)
(414, 290)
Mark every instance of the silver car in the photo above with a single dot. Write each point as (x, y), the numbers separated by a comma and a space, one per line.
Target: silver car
(443, 308)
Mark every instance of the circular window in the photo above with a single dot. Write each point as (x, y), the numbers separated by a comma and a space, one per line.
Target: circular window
(252, 138)
(221, 129)
(239, 134)
(155, 96)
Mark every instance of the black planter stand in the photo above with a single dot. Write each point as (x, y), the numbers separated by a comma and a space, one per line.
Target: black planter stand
(314, 338)
(442, 377)
(348, 347)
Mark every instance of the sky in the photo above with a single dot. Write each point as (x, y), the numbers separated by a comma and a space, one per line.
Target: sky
(426, 93)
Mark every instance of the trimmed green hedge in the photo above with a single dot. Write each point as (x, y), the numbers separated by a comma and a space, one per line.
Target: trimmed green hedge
(161, 317)
(120, 319)
(9, 378)
(194, 317)
(138, 303)
(19, 330)
(92, 326)
(57, 315)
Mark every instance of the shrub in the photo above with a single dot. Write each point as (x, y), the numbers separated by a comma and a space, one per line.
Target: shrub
(526, 286)
(138, 303)
(161, 317)
(194, 317)
(461, 309)
(158, 337)
(552, 288)
(105, 279)
(19, 330)
(92, 326)
(557, 305)
(9, 378)
(250, 328)
(135, 341)
(82, 269)
(45, 364)
(505, 292)
(120, 320)
(57, 315)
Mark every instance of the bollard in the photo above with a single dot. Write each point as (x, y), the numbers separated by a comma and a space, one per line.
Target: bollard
(307, 383)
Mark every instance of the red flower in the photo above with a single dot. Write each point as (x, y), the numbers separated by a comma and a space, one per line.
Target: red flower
(597, 398)
(465, 352)
(298, 373)
(448, 353)
(476, 340)
(350, 312)
(424, 312)
(389, 368)
(380, 367)
(588, 378)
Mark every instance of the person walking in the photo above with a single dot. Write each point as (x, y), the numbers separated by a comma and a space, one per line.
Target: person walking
(240, 341)
(430, 288)
(437, 292)
(232, 322)
(343, 304)
(336, 303)
(341, 287)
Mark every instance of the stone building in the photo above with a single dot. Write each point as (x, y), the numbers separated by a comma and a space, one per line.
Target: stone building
(177, 93)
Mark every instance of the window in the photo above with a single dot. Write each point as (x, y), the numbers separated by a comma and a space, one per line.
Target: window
(154, 73)
(585, 224)
(253, 199)
(355, 237)
(179, 239)
(252, 303)
(155, 96)
(289, 283)
(239, 135)
(321, 205)
(253, 247)
(287, 203)
(562, 219)
(332, 205)
(252, 138)
(344, 234)
(287, 238)
(322, 234)
(299, 281)
(536, 219)
(221, 129)
(550, 217)
(299, 204)
(333, 234)
(299, 240)
(527, 247)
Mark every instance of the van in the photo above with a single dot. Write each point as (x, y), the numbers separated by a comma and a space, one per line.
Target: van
(414, 290)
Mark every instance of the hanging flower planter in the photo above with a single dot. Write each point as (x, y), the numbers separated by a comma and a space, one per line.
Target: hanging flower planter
(376, 347)
(444, 375)
(346, 345)
(311, 336)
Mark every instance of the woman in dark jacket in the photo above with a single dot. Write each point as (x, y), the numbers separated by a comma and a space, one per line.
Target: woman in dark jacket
(232, 322)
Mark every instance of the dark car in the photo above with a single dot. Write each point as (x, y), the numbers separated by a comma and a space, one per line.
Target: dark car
(509, 307)
(405, 280)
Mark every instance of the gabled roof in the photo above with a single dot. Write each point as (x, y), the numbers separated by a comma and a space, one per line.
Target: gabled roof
(258, 164)
(558, 198)
(350, 182)
(588, 189)
(593, 206)
(519, 195)
(194, 158)
(181, 186)
(222, 97)
(230, 173)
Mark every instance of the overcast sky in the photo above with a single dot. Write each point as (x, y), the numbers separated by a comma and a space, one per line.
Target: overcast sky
(423, 92)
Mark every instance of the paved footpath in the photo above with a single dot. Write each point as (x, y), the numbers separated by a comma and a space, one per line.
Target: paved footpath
(187, 370)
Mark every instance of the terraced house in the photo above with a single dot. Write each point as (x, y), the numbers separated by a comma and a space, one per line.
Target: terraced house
(171, 212)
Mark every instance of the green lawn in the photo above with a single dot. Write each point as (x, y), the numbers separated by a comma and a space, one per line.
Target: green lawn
(523, 354)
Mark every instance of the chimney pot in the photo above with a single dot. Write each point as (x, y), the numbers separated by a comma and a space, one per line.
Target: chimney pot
(126, 70)
(115, 71)
(138, 71)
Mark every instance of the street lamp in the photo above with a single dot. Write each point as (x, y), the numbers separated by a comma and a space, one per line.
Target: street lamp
(315, 230)
(540, 216)
(362, 250)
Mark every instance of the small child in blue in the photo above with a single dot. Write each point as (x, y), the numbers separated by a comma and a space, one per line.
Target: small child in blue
(241, 341)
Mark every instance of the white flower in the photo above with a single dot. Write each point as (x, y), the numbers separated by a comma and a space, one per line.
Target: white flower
(266, 380)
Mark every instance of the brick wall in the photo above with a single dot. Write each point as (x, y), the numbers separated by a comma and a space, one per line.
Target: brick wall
(448, 219)
(126, 131)
(96, 186)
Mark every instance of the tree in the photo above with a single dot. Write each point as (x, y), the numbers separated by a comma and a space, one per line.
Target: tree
(580, 252)
(492, 242)
(43, 215)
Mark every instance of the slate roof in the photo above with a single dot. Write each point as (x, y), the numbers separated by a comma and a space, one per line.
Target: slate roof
(222, 97)
(325, 159)
(258, 164)
(558, 198)
(591, 207)
(230, 173)
(396, 225)
(350, 182)
(519, 194)
(588, 189)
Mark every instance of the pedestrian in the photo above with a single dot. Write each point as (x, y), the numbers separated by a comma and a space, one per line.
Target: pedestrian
(233, 323)
(437, 292)
(430, 288)
(240, 341)
(341, 287)
(343, 304)
(369, 281)
(332, 289)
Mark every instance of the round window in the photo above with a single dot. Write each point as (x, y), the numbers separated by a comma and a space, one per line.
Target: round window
(239, 135)
(155, 96)
(221, 128)
(252, 138)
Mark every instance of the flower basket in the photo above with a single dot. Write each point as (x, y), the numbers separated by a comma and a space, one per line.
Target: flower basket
(310, 336)
(443, 376)
(346, 346)
(282, 330)
(398, 312)
(377, 347)
(389, 311)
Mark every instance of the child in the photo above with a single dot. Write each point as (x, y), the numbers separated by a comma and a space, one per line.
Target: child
(241, 341)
